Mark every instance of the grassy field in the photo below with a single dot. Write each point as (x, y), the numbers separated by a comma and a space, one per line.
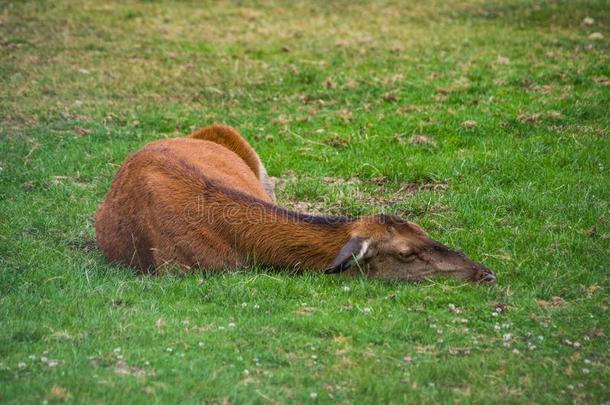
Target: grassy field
(486, 122)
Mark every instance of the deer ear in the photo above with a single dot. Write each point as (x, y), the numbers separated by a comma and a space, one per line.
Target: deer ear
(355, 249)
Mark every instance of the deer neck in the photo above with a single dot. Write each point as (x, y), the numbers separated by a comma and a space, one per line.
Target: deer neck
(269, 235)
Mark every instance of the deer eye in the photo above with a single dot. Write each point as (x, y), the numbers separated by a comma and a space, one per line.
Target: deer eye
(407, 255)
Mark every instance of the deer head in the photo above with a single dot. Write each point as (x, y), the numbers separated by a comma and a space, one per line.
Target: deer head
(386, 247)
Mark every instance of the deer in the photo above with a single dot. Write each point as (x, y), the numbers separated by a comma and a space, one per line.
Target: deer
(205, 201)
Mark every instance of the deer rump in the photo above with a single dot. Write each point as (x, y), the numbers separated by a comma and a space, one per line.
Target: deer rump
(205, 201)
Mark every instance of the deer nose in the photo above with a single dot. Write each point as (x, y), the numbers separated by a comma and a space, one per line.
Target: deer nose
(484, 275)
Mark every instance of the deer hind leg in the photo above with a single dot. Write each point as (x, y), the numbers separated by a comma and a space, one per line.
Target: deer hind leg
(229, 138)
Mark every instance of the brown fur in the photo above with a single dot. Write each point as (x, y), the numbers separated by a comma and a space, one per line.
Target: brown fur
(229, 138)
(204, 201)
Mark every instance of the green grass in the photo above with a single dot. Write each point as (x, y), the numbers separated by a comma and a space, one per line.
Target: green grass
(326, 92)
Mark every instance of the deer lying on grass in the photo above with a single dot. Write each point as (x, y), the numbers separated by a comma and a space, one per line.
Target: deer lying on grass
(205, 200)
